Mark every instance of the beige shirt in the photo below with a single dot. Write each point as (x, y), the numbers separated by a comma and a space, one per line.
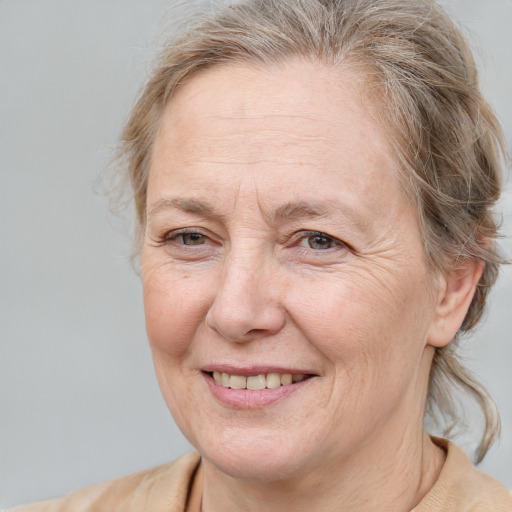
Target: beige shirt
(174, 488)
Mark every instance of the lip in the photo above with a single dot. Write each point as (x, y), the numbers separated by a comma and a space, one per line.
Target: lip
(252, 399)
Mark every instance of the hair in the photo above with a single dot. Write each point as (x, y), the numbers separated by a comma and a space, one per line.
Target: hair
(446, 136)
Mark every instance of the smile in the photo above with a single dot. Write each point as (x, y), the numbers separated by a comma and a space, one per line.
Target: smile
(254, 388)
(257, 382)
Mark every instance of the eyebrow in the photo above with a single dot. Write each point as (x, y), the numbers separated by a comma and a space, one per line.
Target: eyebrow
(305, 209)
(318, 209)
(297, 210)
(186, 205)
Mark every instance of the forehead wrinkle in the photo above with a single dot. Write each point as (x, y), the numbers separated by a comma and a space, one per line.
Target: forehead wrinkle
(219, 115)
(233, 148)
(228, 150)
(258, 136)
(244, 161)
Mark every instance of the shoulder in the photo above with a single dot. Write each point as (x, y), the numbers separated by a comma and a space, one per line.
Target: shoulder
(163, 488)
(461, 487)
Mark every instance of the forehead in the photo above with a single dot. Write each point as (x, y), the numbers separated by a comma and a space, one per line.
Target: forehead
(305, 97)
(289, 124)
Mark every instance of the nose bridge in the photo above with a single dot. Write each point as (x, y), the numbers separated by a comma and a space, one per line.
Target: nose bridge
(240, 273)
(245, 305)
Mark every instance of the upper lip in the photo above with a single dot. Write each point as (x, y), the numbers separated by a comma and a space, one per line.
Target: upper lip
(247, 371)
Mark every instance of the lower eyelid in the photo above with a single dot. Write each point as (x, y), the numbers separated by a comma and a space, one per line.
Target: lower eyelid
(173, 239)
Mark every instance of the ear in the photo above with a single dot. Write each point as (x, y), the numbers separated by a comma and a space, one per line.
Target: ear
(456, 291)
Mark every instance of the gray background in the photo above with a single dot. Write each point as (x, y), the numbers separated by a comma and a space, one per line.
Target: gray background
(78, 399)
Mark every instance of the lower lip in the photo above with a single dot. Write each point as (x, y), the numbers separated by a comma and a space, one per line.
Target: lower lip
(252, 399)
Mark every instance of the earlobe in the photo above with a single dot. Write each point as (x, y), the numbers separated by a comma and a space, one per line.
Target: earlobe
(456, 292)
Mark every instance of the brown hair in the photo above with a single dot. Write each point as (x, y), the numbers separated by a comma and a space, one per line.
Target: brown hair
(445, 134)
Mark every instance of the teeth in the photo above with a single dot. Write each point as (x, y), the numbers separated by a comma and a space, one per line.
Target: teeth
(256, 382)
(238, 382)
(286, 379)
(273, 380)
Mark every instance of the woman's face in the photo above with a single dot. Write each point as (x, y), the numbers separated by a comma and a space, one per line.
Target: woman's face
(279, 242)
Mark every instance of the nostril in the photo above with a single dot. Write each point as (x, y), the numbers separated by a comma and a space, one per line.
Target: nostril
(245, 321)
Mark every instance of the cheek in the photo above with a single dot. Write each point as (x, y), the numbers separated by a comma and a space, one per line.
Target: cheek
(365, 321)
(175, 303)
(373, 334)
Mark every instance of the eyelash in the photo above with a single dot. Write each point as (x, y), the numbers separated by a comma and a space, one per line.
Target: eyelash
(174, 235)
(297, 238)
(306, 235)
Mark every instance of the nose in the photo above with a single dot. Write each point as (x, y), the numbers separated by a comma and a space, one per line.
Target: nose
(246, 305)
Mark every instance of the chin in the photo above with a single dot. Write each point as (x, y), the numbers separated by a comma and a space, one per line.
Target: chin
(261, 467)
(266, 457)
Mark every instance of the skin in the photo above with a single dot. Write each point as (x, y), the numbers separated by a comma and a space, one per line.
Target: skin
(356, 307)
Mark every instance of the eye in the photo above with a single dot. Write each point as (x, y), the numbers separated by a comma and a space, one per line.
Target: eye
(318, 241)
(190, 238)
(186, 237)
(189, 244)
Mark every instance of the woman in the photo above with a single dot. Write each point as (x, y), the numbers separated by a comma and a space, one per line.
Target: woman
(314, 183)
